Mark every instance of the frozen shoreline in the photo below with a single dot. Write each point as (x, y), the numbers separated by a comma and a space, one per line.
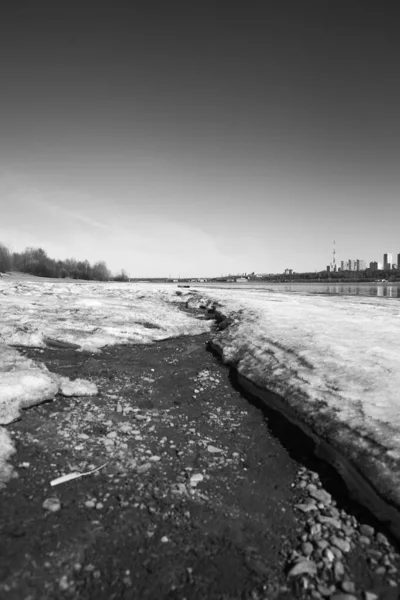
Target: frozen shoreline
(351, 421)
(332, 364)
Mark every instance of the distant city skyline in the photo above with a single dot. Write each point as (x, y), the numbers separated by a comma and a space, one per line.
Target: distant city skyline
(194, 139)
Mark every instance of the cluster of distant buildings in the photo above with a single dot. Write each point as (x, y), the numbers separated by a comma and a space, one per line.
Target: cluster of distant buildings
(360, 265)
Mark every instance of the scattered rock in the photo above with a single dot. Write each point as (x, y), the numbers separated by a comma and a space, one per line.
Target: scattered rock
(52, 504)
(320, 495)
(213, 449)
(304, 567)
(343, 545)
(367, 530)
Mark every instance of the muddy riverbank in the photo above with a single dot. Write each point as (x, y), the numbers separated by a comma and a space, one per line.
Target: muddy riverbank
(200, 495)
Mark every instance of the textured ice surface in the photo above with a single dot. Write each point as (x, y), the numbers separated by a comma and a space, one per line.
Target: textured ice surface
(335, 361)
(90, 315)
(81, 316)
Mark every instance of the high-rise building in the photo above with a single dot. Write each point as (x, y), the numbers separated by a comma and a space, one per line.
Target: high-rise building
(398, 261)
(361, 266)
(352, 265)
(344, 265)
(373, 266)
(387, 261)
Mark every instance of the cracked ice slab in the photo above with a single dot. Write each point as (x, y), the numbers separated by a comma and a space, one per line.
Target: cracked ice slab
(334, 361)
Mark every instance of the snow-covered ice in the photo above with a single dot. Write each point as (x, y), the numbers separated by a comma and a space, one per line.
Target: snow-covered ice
(81, 316)
(335, 362)
(90, 315)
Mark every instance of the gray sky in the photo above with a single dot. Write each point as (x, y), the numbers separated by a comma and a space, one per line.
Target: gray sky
(198, 138)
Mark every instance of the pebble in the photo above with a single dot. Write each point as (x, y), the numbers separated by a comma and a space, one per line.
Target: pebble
(329, 521)
(155, 458)
(363, 539)
(164, 539)
(338, 570)
(307, 548)
(213, 449)
(143, 468)
(343, 545)
(52, 504)
(320, 495)
(140, 417)
(349, 587)
(382, 539)
(370, 596)
(90, 504)
(302, 568)
(63, 584)
(195, 479)
(305, 507)
(367, 530)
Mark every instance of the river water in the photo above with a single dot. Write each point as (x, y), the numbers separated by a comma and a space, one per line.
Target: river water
(379, 289)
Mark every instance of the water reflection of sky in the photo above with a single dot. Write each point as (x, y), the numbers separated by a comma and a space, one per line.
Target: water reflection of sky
(381, 290)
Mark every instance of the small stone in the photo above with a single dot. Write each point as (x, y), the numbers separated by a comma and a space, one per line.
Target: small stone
(96, 574)
(382, 539)
(302, 568)
(370, 596)
(338, 570)
(367, 530)
(320, 495)
(213, 449)
(380, 570)
(315, 529)
(322, 544)
(99, 506)
(195, 479)
(89, 568)
(112, 435)
(63, 584)
(338, 553)
(90, 504)
(329, 555)
(364, 540)
(311, 487)
(348, 530)
(52, 504)
(154, 458)
(164, 539)
(140, 417)
(329, 521)
(305, 507)
(343, 545)
(349, 587)
(307, 548)
(143, 468)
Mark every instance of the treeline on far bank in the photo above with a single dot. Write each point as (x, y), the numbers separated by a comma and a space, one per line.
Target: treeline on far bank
(35, 261)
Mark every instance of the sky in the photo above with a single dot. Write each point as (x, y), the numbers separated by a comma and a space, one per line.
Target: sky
(200, 138)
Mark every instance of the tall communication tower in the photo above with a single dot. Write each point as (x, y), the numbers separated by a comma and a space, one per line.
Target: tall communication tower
(334, 256)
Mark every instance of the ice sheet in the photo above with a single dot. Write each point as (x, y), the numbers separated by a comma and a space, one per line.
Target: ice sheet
(334, 360)
(91, 315)
(80, 316)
